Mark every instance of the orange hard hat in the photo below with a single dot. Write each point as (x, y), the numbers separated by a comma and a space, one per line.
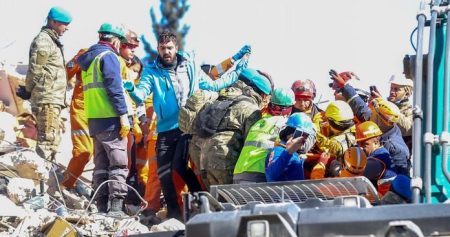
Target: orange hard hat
(367, 130)
(355, 160)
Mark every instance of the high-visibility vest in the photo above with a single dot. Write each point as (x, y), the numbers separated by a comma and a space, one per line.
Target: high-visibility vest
(96, 100)
(260, 139)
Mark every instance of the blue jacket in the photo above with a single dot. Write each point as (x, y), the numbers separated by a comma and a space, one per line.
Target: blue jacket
(156, 80)
(110, 68)
(281, 166)
(392, 139)
(383, 155)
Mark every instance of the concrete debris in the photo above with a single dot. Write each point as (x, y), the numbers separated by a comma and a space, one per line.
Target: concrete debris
(27, 164)
(169, 225)
(20, 189)
(9, 208)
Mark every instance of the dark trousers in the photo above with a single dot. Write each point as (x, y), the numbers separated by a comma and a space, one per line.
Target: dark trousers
(172, 154)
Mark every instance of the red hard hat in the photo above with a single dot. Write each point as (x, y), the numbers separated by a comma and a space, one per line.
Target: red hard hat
(304, 89)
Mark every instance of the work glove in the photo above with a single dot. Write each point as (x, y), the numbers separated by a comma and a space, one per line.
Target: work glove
(244, 50)
(137, 131)
(124, 125)
(23, 93)
(128, 85)
(339, 80)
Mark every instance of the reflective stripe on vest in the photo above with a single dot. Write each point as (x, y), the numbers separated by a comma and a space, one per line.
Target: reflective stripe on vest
(260, 139)
(96, 99)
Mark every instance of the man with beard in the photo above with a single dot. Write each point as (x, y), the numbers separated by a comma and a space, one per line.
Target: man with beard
(172, 78)
(399, 94)
(46, 83)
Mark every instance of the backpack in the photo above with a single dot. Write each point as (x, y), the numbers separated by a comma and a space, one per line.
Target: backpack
(188, 112)
(210, 117)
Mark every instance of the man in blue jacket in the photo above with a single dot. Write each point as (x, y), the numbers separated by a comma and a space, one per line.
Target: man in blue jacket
(172, 78)
(285, 161)
(106, 112)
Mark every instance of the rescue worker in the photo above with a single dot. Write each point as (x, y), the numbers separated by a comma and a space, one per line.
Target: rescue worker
(385, 114)
(46, 83)
(82, 143)
(285, 161)
(354, 163)
(199, 99)
(379, 161)
(232, 124)
(305, 92)
(176, 74)
(106, 111)
(261, 138)
(131, 67)
(400, 92)
(339, 119)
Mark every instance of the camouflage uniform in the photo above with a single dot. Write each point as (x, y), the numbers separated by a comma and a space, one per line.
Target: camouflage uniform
(46, 81)
(196, 142)
(220, 152)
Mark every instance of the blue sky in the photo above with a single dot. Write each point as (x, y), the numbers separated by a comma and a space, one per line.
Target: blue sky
(291, 39)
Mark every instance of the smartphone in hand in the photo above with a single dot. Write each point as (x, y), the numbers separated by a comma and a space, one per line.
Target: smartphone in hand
(300, 133)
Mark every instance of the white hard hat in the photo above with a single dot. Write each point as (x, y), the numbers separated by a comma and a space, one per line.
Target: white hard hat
(401, 81)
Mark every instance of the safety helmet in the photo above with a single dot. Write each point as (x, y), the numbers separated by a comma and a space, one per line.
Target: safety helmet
(387, 110)
(304, 89)
(256, 79)
(302, 122)
(339, 111)
(283, 97)
(355, 160)
(367, 130)
(108, 28)
(59, 14)
(401, 81)
(132, 38)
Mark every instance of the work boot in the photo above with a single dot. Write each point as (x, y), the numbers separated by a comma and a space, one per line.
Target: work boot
(102, 205)
(116, 208)
(148, 218)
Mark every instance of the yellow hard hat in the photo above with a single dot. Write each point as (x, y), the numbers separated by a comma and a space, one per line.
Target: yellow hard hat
(355, 160)
(339, 111)
(367, 130)
(387, 110)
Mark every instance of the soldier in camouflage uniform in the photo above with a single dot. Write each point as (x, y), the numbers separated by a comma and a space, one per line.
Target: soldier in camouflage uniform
(46, 81)
(221, 150)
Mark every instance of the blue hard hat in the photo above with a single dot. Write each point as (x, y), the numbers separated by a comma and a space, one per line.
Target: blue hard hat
(402, 186)
(257, 79)
(59, 14)
(301, 121)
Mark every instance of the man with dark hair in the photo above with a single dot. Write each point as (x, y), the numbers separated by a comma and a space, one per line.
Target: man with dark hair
(46, 83)
(172, 78)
